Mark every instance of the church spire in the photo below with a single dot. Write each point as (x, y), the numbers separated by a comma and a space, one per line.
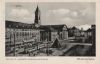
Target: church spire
(37, 9)
(37, 16)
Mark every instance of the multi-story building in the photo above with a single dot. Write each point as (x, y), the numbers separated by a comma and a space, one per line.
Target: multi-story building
(90, 34)
(18, 33)
(74, 32)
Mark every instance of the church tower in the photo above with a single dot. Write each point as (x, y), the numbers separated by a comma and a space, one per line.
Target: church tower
(37, 20)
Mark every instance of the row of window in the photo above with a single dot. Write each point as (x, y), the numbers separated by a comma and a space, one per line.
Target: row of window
(17, 34)
(26, 33)
(11, 29)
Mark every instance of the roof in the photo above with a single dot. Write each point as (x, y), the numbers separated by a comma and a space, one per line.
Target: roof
(53, 27)
(37, 10)
(89, 30)
(19, 25)
(74, 28)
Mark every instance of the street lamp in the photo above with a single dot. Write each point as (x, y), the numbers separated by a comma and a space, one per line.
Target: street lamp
(46, 47)
(14, 43)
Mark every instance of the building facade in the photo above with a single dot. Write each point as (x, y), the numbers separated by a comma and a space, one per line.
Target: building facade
(18, 33)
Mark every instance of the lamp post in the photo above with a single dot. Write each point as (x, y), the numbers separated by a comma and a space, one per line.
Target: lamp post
(10, 42)
(37, 26)
(14, 43)
(46, 47)
(47, 50)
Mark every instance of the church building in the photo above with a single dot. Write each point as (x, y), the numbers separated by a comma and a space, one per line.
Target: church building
(19, 34)
(50, 32)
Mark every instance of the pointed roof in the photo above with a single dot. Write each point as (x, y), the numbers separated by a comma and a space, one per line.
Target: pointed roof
(89, 30)
(37, 9)
(74, 28)
(56, 44)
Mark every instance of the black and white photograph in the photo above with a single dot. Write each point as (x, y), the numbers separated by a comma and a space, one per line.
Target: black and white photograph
(50, 29)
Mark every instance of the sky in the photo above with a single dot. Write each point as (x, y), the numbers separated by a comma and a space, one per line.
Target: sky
(81, 14)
